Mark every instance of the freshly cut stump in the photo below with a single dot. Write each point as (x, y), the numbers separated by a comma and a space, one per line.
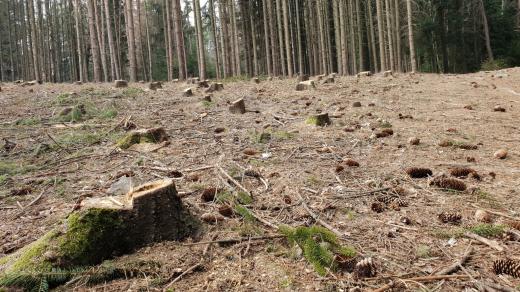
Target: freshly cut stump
(187, 92)
(320, 120)
(105, 227)
(120, 83)
(238, 107)
(155, 85)
(305, 85)
(153, 135)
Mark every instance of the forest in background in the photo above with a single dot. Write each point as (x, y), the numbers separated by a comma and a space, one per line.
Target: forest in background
(104, 40)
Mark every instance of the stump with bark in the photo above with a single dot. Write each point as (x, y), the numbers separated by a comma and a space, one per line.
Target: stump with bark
(305, 85)
(153, 135)
(155, 85)
(120, 83)
(187, 92)
(238, 107)
(104, 227)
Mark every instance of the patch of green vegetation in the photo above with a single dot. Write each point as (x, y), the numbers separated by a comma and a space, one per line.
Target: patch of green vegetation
(225, 197)
(447, 233)
(423, 251)
(487, 230)
(136, 138)
(312, 121)
(12, 168)
(262, 138)
(108, 113)
(385, 125)
(245, 213)
(286, 283)
(283, 135)
(87, 232)
(349, 213)
(495, 64)
(244, 198)
(3, 179)
(64, 99)
(207, 104)
(132, 92)
(80, 138)
(313, 180)
(483, 196)
(319, 246)
(75, 115)
(28, 122)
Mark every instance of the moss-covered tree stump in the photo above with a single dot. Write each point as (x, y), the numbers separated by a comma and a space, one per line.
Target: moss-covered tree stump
(103, 228)
(153, 135)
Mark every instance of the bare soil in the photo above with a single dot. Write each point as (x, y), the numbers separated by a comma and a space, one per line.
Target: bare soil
(59, 163)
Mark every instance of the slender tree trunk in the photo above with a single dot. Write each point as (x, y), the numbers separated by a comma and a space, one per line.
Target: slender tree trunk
(382, 45)
(131, 40)
(200, 40)
(287, 39)
(253, 38)
(266, 39)
(389, 35)
(337, 35)
(139, 53)
(236, 48)
(322, 37)
(214, 36)
(179, 40)
(148, 45)
(10, 40)
(101, 41)
(116, 74)
(299, 39)
(398, 35)
(34, 40)
(352, 37)
(274, 42)
(372, 36)
(410, 35)
(486, 30)
(280, 36)
(81, 63)
(360, 36)
(94, 45)
(343, 37)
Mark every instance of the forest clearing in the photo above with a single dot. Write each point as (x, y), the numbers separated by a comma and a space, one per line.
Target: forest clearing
(246, 176)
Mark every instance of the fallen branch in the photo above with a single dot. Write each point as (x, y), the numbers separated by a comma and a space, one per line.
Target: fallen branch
(488, 242)
(497, 213)
(235, 240)
(456, 266)
(421, 279)
(233, 180)
(58, 144)
(363, 194)
(317, 218)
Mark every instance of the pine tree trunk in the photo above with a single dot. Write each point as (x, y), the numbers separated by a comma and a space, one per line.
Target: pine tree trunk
(269, 63)
(129, 19)
(410, 35)
(382, 45)
(148, 45)
(280, 37)
(214, 36)
(360, 36)
(141, 68)
(343, 36)
(321, 26)
(101, 41)
(116, 74)
(337, 35)
(94, 45)
(81, 63)
(236, 48)
(179, 39)
(299, 40)
(253, 39)
(352, 37)
(389, 35)
(200, 40)
(486, 30)
(287, 39)
(34, 40)
(274, 42)
(372, 36)
(398, 35)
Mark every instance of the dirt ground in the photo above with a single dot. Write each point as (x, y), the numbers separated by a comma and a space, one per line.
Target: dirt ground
(48, 165)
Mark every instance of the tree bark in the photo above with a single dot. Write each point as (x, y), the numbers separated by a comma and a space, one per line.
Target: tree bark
(382, 45)
(34, 40)
(200, 40)
(129, 19)
(389, 35)
(486, 30)
(94, 45)
(81, 63)
(287, 39)
(214, 36)
(179, 39)
(410, 36)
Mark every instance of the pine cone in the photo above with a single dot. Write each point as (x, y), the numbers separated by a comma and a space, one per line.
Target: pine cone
(351, 163)
(453, 218)
(514, 224)
(417, 172)
(346, 263)
(461, 172)
(378, 207)
(467, 146)
(507, 266)
(388, 200)
(449, 183)
(365, 268)
(208, 194)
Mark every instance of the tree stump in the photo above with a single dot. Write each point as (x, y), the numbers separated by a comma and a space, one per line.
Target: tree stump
(255, 80)
(120, 83)
(305, 85)
(78, 83)
(215, 87)
(153, 135)
(203, 84)
(388, 73)
(187, 92)
(155, 85)
(364, 74)
(320, 120)
(328, 80)
(238, 107)
(207, 98)
(104, 227)
(303, 77)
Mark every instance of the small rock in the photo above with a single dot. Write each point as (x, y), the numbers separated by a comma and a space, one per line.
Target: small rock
(468, 107)
(219, 130)
(207, 98)
(356, 104)
(501, 154)
(414, 141)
